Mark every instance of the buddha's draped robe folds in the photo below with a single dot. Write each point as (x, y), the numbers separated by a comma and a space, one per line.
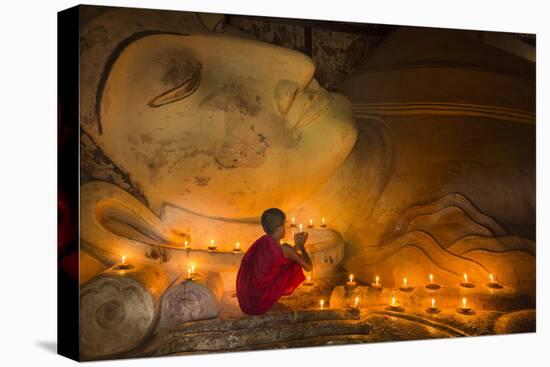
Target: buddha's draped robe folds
(265, 275)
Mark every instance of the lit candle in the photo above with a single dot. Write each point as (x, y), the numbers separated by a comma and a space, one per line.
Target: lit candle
(192, 268)
(212, 246)
(431, 285)
(404, 282)
(465, 278)
(356, 301)
(123, 265)
(351, 283)
(308, 280)
(322, 303)
(185, 245)
(237, 247)
(293, 221)
(393, 303)
(491, 278)
(433, 302)
(189, 273)
(377, 282)
(301, 228)
(310, 223)
(464, 308)
(323, 224)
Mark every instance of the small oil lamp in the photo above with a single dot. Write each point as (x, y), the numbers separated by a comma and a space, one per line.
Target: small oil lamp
(237, 247)
(464, 308)
(493, 283)
(123, 265)
(433, 308)
(466, 283)
(293, 222)
(310, 225)
(405, 287)
(323, 223)
(393, 305)
(212, 246)
(356, 303)
(308, 281)
(321, 304)
(431, 285)
(376, 283)
(189, 274)
(351, 282)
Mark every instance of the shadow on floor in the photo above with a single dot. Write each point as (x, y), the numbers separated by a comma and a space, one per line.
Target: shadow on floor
(48, 345)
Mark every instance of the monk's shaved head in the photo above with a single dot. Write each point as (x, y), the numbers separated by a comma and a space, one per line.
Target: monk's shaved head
(271, 219)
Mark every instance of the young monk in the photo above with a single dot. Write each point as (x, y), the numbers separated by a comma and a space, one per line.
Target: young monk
(270, 270)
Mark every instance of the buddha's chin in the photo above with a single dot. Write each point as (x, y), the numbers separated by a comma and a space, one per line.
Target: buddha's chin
(332, 135)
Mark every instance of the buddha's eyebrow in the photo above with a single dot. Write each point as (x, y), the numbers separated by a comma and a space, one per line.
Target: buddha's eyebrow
(185, 89)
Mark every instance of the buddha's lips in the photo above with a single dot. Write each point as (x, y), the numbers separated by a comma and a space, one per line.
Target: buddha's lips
(316, 105)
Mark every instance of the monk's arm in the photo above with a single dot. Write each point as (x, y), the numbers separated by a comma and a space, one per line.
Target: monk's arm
(302, 258)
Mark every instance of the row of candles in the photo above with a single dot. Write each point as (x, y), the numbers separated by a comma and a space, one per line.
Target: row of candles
(393, 304)
(237, 248)
(406, 286)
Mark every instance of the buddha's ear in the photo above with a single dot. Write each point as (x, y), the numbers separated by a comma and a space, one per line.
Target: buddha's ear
(181, 91)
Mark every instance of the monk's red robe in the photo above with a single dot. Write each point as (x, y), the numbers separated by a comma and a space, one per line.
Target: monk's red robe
(265, 275)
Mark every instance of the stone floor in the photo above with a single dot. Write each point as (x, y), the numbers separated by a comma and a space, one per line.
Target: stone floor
(298, 321)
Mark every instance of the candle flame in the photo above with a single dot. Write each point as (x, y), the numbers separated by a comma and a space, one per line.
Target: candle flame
(377, 279)
(465, 278)
(189, 272)
(185, 244)
(351, 278)
(431, 278)
(193, 268)
(464, 302)
(433, 302)
(300, 227)
(356, 301)
(323, 221)
(405, 282)
(123, 261)
(238, 245)
(492, 278)
(211, 242)
(322, 303)
(293, 219)
(309, 278)
(311, 222)
(393, 301)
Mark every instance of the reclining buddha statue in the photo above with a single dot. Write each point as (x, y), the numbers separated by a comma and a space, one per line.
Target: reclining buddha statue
(425, 163)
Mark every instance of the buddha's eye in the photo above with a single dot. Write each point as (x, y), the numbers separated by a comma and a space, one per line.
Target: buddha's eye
(285, 92)
(183, 90)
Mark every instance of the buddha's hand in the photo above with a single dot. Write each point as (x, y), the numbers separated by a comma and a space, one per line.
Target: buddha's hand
(300, 240)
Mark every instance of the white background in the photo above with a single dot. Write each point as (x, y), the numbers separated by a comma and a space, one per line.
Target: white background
(28, 183)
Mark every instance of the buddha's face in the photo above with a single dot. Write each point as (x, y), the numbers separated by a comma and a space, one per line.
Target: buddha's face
(222, 126)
